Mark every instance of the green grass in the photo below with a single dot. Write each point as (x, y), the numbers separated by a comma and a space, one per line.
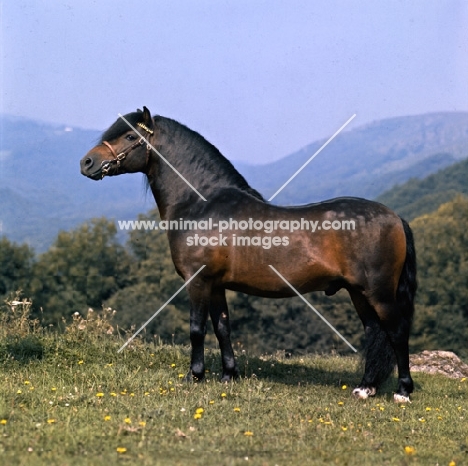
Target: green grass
(70, 399)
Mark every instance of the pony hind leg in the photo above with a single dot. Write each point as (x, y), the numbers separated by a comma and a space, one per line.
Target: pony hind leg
(220, 318)
(397, 327)
(379, 355)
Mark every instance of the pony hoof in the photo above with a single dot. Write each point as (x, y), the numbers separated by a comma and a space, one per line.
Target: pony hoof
(192, 378)
(363, 393)
(226, 378)
(401, 398)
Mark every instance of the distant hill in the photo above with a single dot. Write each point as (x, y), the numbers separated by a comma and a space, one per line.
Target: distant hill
(418, 197)
(42, 190)
(368, 160)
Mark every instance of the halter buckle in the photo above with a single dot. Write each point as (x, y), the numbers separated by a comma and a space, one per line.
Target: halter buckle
(105, 167)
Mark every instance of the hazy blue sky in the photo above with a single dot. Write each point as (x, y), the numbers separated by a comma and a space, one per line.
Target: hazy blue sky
(259, 79)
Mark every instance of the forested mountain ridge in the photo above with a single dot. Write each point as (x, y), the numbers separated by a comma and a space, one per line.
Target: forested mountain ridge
(367, 160)
(418, 197)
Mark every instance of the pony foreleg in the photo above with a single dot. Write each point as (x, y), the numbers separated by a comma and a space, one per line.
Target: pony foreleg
(222, 328)
(198, 317)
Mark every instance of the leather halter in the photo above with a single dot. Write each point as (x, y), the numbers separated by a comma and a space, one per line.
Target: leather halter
(106, 164)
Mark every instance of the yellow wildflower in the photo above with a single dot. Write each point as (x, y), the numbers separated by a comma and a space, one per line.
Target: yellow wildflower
(127, 420)
(410, 450)
(248, 433)
(50, 421)
(197, 416)
(199, 410)
(344, 387)
(121, 449)
(3, 422)
(107, 418)
(237, 410)
(100, 394)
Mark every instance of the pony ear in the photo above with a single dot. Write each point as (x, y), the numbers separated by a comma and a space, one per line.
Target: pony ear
(147, 120)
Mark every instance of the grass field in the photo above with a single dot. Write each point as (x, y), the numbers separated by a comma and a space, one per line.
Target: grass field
(70, 399)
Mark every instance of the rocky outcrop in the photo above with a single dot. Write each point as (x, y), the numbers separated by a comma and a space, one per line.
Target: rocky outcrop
(439, 362)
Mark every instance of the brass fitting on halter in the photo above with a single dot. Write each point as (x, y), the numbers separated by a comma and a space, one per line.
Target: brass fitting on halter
(142, 125)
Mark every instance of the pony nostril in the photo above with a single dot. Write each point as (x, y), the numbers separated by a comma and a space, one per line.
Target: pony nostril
(88, 162)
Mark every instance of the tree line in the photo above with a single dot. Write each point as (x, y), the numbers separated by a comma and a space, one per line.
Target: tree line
(89, 268)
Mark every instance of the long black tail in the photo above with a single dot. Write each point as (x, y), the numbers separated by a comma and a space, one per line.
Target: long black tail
(379, 353)
(407, 284)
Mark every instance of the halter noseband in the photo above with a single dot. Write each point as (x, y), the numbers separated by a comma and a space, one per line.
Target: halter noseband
(106, 164)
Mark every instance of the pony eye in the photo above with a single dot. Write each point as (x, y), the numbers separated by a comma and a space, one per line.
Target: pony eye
(130, 137)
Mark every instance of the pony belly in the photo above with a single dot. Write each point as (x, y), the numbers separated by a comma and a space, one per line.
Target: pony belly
(261, 291)
(265, 282)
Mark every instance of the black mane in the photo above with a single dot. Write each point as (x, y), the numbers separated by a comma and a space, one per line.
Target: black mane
(204, 157)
